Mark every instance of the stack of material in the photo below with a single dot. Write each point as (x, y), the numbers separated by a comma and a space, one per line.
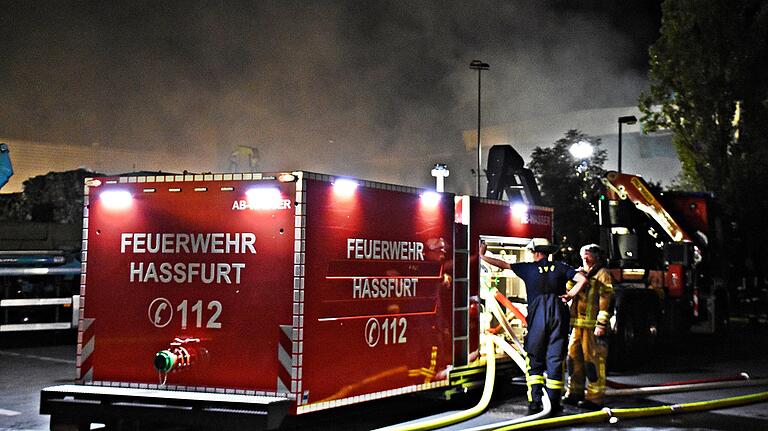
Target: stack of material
(13, 208)
(54, 197)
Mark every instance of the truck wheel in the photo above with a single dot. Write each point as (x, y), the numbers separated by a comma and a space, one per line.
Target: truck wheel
(635, 333)
(57, 425)
(722, 313)
(626, 348)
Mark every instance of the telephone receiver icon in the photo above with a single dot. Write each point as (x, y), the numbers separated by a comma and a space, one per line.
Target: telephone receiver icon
(158, 318)
(372, 332)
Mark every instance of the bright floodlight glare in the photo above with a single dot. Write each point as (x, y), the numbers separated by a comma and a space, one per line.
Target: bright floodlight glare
(581, 150)
(519, 208)
(264, 198)
(344, 186)
(116, 199)
(430, 198)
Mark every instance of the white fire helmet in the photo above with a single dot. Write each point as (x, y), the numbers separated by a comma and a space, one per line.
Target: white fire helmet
(541, 245)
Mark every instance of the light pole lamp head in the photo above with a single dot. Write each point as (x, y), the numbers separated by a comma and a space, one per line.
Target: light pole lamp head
(628, 119)
(479, 65)
(440, 167)
(440, 171)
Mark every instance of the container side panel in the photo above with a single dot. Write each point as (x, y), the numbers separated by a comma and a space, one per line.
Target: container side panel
(209, 262)
(378, 312)
(500, 219)
(497, 218)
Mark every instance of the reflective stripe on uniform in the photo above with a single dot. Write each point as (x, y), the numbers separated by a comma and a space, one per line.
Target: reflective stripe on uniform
(594, 388)
(554, 384)
(603, 316)
(584, 323)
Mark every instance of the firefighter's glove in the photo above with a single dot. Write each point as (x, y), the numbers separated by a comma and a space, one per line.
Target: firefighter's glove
(600, 331)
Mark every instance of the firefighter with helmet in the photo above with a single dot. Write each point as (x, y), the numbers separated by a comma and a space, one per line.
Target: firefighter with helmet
(588, 344)
(548, 319)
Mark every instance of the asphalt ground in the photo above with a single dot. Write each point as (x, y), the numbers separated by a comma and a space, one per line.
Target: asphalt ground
(32, 362)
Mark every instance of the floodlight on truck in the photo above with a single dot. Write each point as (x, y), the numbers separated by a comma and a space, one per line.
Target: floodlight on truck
(430, 198)
(264, 198)
(116, 199)
(344, 187)
(519, 209)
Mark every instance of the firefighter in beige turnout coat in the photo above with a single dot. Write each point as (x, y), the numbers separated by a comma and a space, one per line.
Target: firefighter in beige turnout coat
(588, 344)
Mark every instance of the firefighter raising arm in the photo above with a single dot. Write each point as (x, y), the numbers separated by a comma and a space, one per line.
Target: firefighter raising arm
(548, 318)
(571, 293)
(580, 280)
(492, 260)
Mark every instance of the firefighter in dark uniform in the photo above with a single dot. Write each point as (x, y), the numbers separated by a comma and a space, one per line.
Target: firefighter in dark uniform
(548, 319)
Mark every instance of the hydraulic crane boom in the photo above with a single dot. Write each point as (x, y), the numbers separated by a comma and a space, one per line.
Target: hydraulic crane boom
(634, 188)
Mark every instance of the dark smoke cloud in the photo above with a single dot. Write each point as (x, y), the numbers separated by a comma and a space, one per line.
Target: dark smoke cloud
(374, 89)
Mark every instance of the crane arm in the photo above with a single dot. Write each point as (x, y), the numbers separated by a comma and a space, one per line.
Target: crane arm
(634, 188)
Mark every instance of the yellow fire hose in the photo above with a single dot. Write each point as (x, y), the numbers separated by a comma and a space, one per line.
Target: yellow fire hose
(450, 419)
(439, 421)
(514, 354)
(613, 415)
(537, 421)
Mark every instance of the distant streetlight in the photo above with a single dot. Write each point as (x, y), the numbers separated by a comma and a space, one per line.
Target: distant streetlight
(628, 119)
(440, 172)
(479, 66)
(581, 150)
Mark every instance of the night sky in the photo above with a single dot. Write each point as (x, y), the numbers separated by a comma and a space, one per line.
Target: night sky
(368, 88)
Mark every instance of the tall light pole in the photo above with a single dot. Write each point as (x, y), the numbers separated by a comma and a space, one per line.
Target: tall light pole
(479, 66)
(628, 119)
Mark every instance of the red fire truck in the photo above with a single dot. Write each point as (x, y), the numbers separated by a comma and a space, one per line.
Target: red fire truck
(664, 255)
(232, 300)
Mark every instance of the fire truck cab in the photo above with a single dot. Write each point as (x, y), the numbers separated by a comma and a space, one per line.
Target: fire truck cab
(663, 253)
